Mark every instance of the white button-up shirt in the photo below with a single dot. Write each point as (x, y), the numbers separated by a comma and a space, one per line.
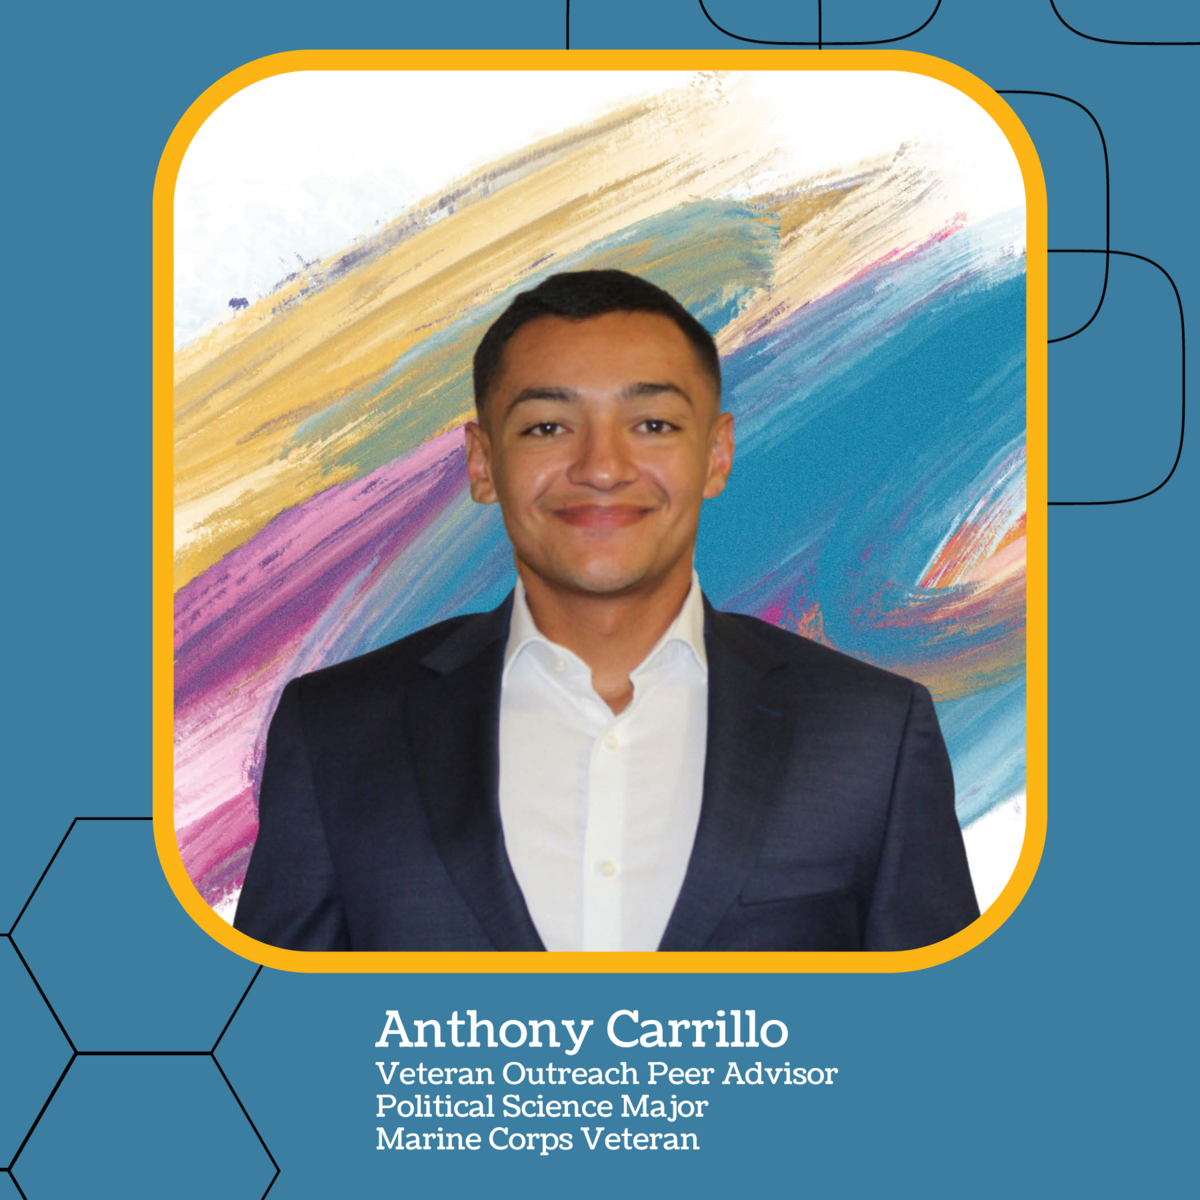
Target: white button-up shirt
(599, 810)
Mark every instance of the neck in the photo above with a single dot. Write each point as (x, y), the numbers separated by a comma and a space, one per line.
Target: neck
(612, 634)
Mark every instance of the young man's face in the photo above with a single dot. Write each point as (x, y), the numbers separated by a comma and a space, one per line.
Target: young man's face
(600, 439)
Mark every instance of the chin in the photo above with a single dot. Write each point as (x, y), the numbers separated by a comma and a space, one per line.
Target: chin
(602, 578)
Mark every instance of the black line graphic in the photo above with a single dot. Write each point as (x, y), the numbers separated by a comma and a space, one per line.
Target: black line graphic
(252, 1125)
(1107, 233)
(45, 998)
(41, 1111)
(1182, 378)
(235, 1010)
(820, 43)
(1114, 41)
(15, 1183)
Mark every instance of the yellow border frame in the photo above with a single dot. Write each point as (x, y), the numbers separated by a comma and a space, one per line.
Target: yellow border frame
(163, 487)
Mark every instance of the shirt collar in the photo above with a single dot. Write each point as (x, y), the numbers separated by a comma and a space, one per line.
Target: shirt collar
(687, 627)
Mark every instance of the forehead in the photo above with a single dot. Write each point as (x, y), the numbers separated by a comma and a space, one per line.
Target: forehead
(620, 345)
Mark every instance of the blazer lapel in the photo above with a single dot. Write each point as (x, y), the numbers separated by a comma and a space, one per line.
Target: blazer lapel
(749, 742)
(453, 722)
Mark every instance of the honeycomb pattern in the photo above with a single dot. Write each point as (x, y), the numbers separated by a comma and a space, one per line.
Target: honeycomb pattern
(115, 1004)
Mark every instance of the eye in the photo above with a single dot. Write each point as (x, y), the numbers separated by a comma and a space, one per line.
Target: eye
(664, 425)
(540, 429)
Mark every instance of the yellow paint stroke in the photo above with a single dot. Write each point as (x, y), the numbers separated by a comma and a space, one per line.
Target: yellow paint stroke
(834, 226)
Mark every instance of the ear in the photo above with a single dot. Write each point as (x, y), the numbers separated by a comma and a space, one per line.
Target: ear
(720, 456)
(479, 463)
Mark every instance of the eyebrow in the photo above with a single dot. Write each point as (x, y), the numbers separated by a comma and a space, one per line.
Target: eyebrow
(631, 391)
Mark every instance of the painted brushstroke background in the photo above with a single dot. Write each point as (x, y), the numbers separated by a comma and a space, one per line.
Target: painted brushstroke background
(856, 245)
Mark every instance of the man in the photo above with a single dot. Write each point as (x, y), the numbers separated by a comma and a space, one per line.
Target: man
(604, 761)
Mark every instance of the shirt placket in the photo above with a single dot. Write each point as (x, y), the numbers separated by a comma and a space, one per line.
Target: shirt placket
(607, 796)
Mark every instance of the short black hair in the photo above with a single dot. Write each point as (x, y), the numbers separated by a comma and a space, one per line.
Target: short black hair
(577, 295)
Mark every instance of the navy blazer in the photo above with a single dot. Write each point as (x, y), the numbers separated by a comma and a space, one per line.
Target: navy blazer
(827, 820)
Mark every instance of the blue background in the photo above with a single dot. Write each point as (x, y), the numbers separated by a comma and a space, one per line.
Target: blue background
(1047, 1059)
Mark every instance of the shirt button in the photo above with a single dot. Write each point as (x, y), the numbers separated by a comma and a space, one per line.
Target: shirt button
(610, 743)
(559, 665)
(608, 868)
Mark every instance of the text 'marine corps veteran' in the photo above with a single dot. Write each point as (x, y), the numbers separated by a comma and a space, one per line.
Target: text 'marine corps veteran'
(604, 761)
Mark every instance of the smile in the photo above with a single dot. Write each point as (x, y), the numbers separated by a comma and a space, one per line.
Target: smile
(601, 516)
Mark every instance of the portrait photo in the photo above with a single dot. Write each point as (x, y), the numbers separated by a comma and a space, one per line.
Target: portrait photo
(599, 509)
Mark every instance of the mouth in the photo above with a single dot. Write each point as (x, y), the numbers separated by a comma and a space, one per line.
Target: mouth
(601, 516)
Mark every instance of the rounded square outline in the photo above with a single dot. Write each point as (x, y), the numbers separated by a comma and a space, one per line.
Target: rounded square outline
(583, 962)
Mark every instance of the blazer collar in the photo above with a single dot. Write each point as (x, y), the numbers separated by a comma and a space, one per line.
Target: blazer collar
(453, 722)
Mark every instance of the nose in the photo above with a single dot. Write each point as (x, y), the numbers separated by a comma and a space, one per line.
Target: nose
(603, 458)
